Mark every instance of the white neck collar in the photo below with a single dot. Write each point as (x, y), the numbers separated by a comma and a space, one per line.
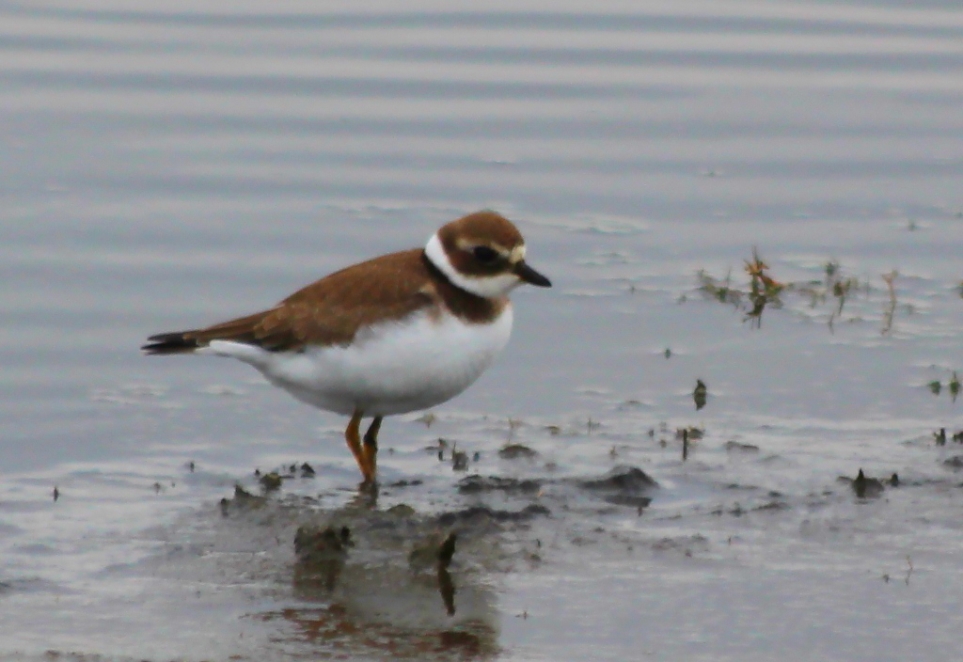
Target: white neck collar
(489, 287)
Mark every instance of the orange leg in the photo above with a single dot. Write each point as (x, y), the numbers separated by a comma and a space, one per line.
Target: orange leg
(352, 436)
(371, 445)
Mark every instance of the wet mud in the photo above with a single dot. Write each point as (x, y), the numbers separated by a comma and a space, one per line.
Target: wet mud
(383, 579)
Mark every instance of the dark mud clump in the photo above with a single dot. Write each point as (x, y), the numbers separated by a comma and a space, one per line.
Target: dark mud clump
(243, 500)
(736, 447)
(482, 484)
(622, 478)
(270, 481)
(687, 545)
(955, 463)
(865, 487)
(771, 506)
(623, 486)
(480, 514)
(517, 452)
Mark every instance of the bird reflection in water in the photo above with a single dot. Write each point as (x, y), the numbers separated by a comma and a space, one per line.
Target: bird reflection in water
(377, 602)
(321, 556)
(445, 584)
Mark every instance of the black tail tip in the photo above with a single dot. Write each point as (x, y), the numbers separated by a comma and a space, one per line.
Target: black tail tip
(169, 343)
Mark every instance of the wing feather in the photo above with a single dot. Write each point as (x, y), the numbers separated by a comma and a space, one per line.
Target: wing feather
(327, 312)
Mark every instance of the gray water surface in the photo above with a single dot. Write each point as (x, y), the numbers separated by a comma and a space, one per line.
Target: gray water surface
(168, 165)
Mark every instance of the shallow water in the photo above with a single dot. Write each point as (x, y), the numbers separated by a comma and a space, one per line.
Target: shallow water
(168, 165)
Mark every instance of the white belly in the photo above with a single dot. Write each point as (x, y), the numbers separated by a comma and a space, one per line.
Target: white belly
(390, 369)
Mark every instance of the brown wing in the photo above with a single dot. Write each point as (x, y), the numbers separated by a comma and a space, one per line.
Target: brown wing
(327, 312)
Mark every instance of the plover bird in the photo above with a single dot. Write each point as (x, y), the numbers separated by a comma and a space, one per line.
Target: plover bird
(398, 333)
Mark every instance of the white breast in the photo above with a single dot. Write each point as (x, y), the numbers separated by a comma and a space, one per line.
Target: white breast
(391, 368)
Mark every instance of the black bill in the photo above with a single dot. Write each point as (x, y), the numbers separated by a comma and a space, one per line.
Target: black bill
(529, 275)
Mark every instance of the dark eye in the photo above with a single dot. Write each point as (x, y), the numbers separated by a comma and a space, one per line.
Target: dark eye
(484, 254)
